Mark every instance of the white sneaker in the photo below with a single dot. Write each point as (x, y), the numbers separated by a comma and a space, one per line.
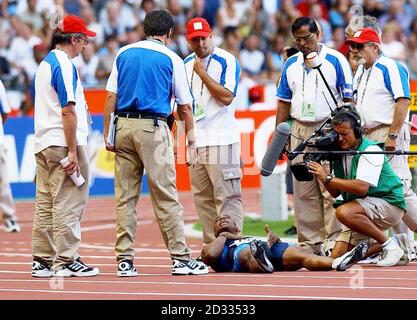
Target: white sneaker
(402, 240)
(41, 270)
(413, 256)
(390, 257)
(371, 259)
(11, 225)
(183, 267)
(77, 269)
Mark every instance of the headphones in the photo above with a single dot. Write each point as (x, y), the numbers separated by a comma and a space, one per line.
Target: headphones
(356, 123)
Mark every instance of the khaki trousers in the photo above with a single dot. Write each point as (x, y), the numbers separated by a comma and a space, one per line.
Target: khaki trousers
(7, 208)
(400, 166)
(216, 188)
(317, 224)
(56, 234)
(139, 146)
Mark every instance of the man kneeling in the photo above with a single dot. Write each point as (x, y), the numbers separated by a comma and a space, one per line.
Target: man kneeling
(232, 252)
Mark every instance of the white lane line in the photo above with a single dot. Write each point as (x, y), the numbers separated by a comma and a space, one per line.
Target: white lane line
(215, 295)
(112, 226)
(296, 274)
(90, 246)
(97, 257)
(209, 275)
(212, 274)
(211, 284)
(99, 227)
(95, 264)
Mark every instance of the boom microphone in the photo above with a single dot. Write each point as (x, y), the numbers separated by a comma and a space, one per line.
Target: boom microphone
(275, 148)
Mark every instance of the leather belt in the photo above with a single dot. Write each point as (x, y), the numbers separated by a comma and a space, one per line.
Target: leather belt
(370, 130)
(137, 115)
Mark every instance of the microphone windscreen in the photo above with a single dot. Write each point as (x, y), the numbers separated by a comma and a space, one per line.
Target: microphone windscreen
(313, 60)
(275, 148)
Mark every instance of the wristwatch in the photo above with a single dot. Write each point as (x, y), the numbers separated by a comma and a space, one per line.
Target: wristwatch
(329, 177)
(393, 135)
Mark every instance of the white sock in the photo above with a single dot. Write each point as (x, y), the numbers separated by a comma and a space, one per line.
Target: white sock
(390, 244)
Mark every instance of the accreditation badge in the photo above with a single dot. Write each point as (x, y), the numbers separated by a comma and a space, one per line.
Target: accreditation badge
(199, 112)
(308, 111)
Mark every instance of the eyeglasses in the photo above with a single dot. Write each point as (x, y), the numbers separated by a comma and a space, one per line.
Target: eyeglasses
(298, 40)
(82, 39)
(360, 46)
(357, 46)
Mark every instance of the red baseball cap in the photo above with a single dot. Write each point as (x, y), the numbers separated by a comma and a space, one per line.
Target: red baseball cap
(74, 24)
(198, 27)
(365, 35)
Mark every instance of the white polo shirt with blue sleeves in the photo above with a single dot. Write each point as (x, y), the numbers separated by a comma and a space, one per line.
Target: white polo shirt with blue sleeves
(145, 76)
(56, 84)
(219, 126)
(300, 85)
(377, 88)
(4, 108)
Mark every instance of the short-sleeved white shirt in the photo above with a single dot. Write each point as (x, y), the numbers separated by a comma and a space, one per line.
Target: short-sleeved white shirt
(299, 84)
(219, 126)
(369, 166)
(377, 89)
(56, 84)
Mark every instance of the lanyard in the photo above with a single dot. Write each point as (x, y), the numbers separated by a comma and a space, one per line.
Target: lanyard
(302, 92)
(366, 85)
(202, 83)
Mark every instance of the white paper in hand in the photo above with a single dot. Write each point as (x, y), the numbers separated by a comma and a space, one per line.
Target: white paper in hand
(78, 180)
(112, 131)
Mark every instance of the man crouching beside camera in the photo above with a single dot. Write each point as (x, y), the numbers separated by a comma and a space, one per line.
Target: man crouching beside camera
(372, 193)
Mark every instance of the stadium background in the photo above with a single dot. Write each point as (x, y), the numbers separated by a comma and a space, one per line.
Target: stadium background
(256, 31)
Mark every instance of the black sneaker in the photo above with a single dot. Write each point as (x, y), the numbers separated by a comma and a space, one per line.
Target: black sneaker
(183, 267)
(258, 252)
(125, 268)
(355, 255)
(41, 270)
(77, 269)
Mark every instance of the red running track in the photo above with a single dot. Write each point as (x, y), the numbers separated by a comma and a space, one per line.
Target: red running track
(155, 281)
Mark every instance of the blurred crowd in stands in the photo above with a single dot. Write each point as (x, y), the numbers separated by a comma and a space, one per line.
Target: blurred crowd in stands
(255, 31)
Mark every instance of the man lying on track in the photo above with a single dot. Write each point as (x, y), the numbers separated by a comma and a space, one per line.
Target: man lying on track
(232, 252)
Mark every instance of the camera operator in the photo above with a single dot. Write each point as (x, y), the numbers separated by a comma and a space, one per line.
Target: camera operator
(303, 96)
(373, 199)
(383, 101)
